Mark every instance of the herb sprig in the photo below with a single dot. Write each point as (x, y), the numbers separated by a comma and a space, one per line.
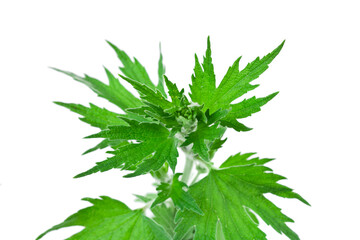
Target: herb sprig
(202, 202)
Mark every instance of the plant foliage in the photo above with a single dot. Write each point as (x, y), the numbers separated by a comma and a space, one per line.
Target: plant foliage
(203, 202)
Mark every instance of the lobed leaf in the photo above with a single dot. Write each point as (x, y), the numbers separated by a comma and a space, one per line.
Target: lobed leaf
(155, 147)
(236, 83)
(109, 219)
(231, 197)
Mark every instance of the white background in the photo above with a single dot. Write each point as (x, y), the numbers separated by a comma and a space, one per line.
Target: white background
(311, 127)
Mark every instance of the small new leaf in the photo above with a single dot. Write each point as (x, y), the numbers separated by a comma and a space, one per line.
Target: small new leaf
(109, 219)
(174, 92)
(175, 190)
(202, 137)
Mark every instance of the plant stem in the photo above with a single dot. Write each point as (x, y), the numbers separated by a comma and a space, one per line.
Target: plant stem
(187, 169)
(195, 178)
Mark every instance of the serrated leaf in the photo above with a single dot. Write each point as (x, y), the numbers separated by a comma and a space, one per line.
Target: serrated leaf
(203, 79)
(103, 144)
(154, 147)
(135, 131)
(109, 219)
(135, 116)
(200, 138)
(161, 72)
(95, 116)
(227, 195)
(132, 69)
(107, 143)
(244, 109)
(149, 95)
(236, 83)
(114, 92)
(166, 151)
(216, 116)
(235, 124)
(247, 107)
(174, 92)
(175, 191)
(244, 159)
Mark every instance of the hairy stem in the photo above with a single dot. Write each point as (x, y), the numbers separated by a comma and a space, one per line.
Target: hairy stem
(188, 168)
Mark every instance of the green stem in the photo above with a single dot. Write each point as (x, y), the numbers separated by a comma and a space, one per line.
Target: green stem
(187, 169)
(195, 178)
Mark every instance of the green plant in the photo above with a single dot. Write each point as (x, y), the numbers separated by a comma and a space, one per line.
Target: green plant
(226, 202)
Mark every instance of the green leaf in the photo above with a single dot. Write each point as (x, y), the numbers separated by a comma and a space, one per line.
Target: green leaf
(235, 124)
(165, 216)
(175, 191)
(95, 116)
(132, 69)
(216, 116)
(217, 144)
(174, 92)
(154, 113)
(145, 199)
(106, 143)
(247, 107)
(244, 159)
(154, 148)
(135, 116)
(161, 72)
(236, 83)
(103, 144)
(157, 113)
(149, 95)
(114, 92)
(244, 109)
(166, 151)
(203, 79)
(109, 219)
(135, 131)
(229, 196)
(201, 137)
